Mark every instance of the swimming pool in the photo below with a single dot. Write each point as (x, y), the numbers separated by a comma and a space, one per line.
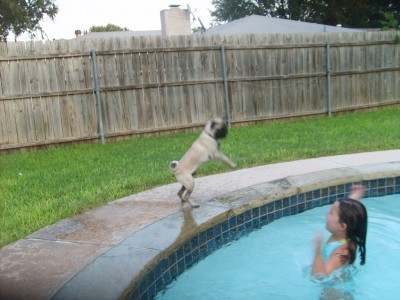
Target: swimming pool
(274, 262)
(240, 213)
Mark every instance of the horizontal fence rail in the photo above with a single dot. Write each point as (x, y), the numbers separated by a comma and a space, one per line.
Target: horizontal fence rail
(51, 93)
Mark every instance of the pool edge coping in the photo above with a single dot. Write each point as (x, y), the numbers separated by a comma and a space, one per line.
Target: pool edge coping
(216, 208)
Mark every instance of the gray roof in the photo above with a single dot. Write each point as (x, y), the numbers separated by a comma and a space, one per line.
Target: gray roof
(105, 34)
(263, 25)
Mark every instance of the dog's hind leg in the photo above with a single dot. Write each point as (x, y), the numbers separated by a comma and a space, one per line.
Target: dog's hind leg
(188, 184)
(180, 193)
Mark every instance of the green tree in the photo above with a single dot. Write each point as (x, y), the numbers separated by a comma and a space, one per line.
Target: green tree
(390, 23)
(108, 27)
(19, 16)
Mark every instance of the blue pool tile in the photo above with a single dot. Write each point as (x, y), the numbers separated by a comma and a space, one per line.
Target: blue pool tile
(203, 237)
(187, 248)
(397, 180)
(188, 261)
(286, 212)
(180, 253)
(278, 204)
(248, 225)
(390, 182)
(196, 255)
(211, 245)
(247, 216)
(324, 192)
(340, 189)
(316, 203)
(151, 292)
(381, 191)
(293, 200)
(158, 271)
(373, 184)
(309, 196)
(293, 210)
(225, 225)
(397, 189)
(382, 182)
(271, 207)
(203, 250)
(309, 205)
(195, 241)
(390, 190)
(256, 223)
(264, 210)
(143, 286)
(347, 187)
(171, 259)
(285, 202)
(373, 192)
(301, 198)
(159, 284)
(255, 212)
(332, 190)
(316, 194)
(217, 230)
(210, 233)
(240, 219)
(332, 199)
(232, 222)
(164, 264)
(181, 266)
(301, 207)
(264, 220)
(150, 277)
(167, 278)
(219, 241)
(174, 271)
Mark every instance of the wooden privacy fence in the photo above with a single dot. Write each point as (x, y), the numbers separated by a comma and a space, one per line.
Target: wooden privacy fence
(87, 89)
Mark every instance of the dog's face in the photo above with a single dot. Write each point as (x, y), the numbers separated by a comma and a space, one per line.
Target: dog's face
(216, 128)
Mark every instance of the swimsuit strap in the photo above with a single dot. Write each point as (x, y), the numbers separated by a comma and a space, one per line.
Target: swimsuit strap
(330, 247)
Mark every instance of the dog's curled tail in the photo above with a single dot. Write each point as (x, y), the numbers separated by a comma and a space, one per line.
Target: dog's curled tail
(173, 165)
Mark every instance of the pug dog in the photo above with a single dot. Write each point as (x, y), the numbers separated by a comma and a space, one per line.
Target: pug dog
(204, 149)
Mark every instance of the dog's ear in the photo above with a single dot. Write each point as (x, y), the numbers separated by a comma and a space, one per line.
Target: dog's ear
(213, 123)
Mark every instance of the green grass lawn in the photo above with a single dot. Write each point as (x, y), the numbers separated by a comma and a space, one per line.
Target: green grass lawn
(43, 187)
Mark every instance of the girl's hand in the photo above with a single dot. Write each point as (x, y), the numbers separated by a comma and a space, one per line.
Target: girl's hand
(318, 243)
(357, 192)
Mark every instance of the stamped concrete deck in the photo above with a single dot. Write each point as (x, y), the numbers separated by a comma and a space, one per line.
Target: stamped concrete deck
(39, 265)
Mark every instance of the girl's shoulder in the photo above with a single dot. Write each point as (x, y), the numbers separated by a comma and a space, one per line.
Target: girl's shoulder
(341, 253)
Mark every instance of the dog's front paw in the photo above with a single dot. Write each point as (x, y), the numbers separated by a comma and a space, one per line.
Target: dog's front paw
(233, 165)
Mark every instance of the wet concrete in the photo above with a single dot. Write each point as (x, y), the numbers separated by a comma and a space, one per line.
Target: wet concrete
(122, 236)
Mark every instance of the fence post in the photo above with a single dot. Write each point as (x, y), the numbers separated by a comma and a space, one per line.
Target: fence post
(328, 79)
(100, 114)
(226, 92)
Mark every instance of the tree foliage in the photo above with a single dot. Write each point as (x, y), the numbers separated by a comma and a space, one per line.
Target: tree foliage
(19, 16)
(108, 27)
(348, 13)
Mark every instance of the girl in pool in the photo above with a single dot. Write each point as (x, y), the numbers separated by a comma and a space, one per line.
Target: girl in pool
(347, 223)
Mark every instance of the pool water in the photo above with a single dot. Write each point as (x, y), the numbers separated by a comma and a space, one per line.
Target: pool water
(274, 262)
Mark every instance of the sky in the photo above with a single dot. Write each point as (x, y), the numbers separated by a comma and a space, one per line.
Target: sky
(136, 15)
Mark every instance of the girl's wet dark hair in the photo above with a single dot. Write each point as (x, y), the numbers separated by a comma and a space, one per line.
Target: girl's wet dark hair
(354, 214)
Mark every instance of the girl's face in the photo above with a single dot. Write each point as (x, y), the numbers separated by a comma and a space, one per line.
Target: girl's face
(333, 224)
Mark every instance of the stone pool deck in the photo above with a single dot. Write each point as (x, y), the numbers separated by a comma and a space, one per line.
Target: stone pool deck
(44, 263)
